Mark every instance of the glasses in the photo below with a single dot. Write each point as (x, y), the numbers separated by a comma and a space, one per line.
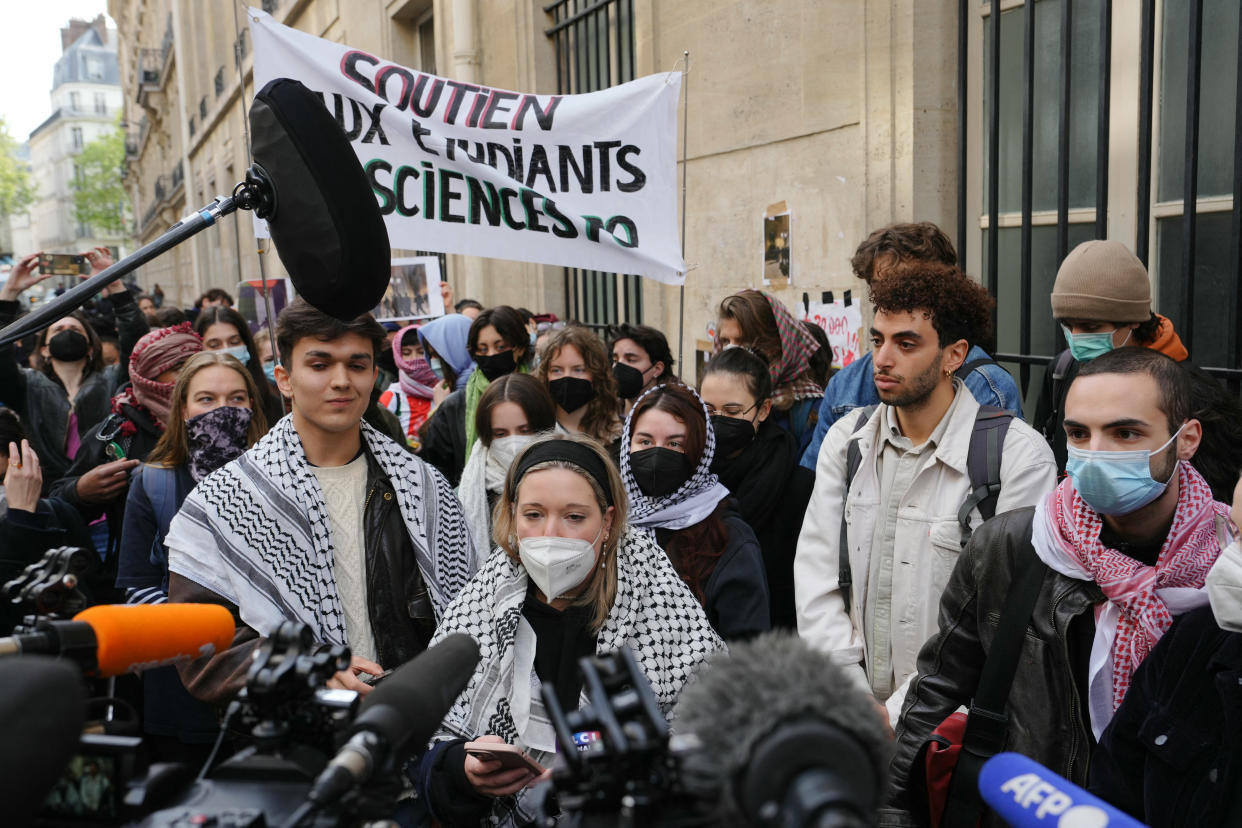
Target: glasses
(730, 410)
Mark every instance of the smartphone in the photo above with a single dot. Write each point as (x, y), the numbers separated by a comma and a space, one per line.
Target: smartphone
(63, 264)
(367, 678)
(509, 756)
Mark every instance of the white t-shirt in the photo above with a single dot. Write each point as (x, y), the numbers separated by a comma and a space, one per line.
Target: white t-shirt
(345, 493)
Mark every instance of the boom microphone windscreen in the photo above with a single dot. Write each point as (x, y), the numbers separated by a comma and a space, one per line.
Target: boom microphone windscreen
(782, 727)
(42, 711)
(133, 638)
(326, 224)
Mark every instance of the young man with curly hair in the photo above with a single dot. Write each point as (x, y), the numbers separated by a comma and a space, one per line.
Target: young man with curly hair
(900, 511)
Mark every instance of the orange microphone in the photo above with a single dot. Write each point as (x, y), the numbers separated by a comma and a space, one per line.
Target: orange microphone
(112, 639)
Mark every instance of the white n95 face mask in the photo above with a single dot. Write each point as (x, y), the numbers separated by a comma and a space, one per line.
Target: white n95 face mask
(557, 565)
(1224, 587)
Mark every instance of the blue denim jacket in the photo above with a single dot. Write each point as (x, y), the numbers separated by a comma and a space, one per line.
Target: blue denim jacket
(853, 387)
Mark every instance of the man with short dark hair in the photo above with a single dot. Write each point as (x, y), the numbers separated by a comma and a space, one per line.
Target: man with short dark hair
(640, 359)
(468, 308)
(913, 473)
(324, 521)
(852, 386)
(1120, 547)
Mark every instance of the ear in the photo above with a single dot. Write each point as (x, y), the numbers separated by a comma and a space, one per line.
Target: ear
(282, 381)
(764, 410)
(658, 367)
(609, 519)
(1188, 441)
(955, 356)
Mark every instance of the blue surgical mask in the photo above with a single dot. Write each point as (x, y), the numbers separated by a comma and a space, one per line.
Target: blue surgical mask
(534, 337)
(1116, 482)
(241, 353)
(269, 370)
(1085, 347)
(436, 366)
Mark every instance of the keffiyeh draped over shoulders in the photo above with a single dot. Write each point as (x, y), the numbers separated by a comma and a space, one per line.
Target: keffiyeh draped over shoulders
(257, 532)
(693, 502)
(654, 613)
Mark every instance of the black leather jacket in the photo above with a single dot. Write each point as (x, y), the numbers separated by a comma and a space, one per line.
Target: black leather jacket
(1048, 719)
(402, 616)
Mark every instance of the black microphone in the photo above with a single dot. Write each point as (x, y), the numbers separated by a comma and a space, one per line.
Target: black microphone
(42, 712)
(404, 710)
(786, 738)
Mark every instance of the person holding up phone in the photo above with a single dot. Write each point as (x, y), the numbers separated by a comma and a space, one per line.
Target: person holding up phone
(70, 391)
(570, 580)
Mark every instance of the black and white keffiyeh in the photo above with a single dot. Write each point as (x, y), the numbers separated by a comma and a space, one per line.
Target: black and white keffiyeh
(692, 503)
(257, 532)
(654, 613)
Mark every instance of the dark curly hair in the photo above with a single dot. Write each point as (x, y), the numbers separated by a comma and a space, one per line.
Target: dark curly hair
(958, 306)
(923, 241)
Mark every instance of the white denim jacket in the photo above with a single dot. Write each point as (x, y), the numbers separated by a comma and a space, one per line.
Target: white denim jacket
(927, 535)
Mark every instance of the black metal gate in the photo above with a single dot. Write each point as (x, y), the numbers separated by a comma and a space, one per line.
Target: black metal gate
(1052, 189)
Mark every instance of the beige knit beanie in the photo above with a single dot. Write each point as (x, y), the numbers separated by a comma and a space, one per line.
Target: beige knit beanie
(1102, 280)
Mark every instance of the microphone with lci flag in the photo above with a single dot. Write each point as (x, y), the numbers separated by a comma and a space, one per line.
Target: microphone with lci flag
(113, 639)
(307, 182)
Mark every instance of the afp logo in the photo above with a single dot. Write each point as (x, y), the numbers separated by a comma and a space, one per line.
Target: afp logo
(1030, 791)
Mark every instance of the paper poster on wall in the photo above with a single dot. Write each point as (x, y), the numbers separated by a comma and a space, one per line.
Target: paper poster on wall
(413, 290)
(776, 267)
(842, 321)
(252, 306)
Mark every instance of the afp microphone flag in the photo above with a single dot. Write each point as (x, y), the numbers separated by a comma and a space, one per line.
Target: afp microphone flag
(574, 180)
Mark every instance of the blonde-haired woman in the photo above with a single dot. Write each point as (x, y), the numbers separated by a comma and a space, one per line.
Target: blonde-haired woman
(577, 369)
(216, 413)
(569, 580)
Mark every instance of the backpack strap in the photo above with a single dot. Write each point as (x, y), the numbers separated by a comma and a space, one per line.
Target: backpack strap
(968, 367)
(1060, 369)
(983, 464)
(853, 459)
(988, 723)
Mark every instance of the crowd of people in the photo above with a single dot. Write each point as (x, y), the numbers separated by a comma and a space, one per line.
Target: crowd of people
(555, 491)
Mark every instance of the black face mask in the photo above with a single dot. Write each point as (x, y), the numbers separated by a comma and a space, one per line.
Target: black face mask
(68, 346)
(732, 435)
(629, 380)
(571, 393)
(497, 365)
(659, 471)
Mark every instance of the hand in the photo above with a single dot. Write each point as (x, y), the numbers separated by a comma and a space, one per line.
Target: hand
(100, 260)
(103, 483)
(439, 394)
(23, 482)
(446, 293)
(490, 778)
(348, 679)
(22, 277)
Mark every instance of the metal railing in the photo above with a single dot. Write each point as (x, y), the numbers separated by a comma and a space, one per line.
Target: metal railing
(594, 43)
(1183, 314)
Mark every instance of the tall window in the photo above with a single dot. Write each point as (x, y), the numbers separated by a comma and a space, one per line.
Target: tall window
(75, 134)
(75, 100)
(101, 103)
(594, 41)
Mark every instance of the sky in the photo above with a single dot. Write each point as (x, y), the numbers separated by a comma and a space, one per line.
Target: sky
(29, 48)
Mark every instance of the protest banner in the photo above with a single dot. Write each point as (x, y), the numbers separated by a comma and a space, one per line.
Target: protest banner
(575, 180)
(842, 321)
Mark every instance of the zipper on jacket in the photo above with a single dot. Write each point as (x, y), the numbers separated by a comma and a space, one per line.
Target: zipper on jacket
(1075, 715)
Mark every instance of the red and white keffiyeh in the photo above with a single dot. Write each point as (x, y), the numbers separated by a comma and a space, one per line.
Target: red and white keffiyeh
(1192, 546)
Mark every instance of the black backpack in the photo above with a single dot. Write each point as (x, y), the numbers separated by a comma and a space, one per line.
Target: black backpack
(983, 463)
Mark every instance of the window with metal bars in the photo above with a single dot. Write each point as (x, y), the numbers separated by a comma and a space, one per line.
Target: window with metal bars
(594, 42)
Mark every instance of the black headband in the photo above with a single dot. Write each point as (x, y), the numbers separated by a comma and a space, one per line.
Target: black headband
(568, 451)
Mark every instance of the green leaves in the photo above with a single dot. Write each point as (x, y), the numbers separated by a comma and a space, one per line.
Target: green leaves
(17, 190)
(99, 197)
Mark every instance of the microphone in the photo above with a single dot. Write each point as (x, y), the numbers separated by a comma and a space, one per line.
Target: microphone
(112, 639)
(786, 737)
(404, 710)
(42, 712)
(1026, 795)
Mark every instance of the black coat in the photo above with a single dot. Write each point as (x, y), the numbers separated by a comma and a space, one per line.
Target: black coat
(26, 536)
(444, 437)
(1172, 755)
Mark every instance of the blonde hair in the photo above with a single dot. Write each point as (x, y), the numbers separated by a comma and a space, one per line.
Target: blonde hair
(173, 448)
(602, 591)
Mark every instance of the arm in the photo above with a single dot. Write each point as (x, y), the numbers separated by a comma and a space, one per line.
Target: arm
(217, 677)
(822, 619)
(1028, 471)
(12, 379)
(948, 673)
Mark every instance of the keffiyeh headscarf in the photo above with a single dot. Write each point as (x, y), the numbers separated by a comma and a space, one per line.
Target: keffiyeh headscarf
(1141, 599)
(790, 375)
(157, 352)
(415, 375)
(692, 503)
(257, 532)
